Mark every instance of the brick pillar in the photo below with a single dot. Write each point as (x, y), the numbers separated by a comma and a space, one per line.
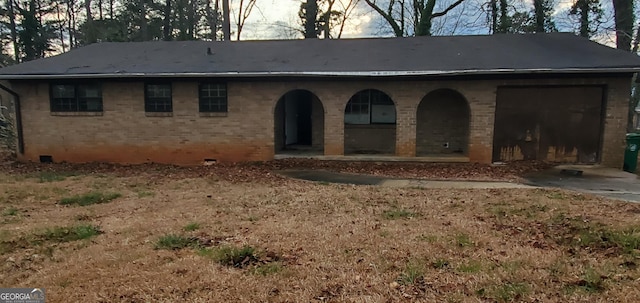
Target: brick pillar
(615, 125)
(482, 105)
(405, 126)
(333, 128)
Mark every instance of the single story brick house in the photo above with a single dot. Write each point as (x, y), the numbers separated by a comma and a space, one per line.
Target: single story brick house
(478, 98)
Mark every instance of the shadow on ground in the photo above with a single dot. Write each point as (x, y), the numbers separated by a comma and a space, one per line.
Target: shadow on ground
(359, 179)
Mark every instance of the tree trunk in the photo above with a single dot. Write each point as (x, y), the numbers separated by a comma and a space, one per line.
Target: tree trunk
(191, 19)
(623, 15)
(424, 25)
(310, 16)
(14, 33)
(239, 24)
(89, 29)
(166, 22)
(71, 22)
(226, 22)
(212, 19)
(142, 8)
(494, 17)
(61, 29)
(504, 17)
(538, 9)
(583, 6)
(87, 8)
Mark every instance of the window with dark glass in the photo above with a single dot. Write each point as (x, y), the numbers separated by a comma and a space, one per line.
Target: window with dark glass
(157, 97)
(370, 107)
(213, 97)
(76, 98)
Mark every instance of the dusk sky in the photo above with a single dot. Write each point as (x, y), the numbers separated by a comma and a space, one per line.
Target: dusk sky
(278, 19)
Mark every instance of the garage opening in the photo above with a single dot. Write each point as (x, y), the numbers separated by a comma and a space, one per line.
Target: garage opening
(442, 124)
(299, 123)
(370, 124)
(560, 124)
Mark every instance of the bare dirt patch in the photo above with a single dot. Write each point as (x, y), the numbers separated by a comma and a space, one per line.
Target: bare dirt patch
(243, 234)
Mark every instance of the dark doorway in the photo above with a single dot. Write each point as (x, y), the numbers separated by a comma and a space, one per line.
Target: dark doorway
(303, 112)
(560, 124)
(299, 122)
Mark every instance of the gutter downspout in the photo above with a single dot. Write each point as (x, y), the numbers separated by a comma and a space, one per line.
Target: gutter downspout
(16, 104)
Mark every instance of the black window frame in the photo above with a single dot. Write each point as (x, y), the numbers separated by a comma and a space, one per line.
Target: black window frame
(77, 103)
(368, 99)
(158, 104)
(206, 104)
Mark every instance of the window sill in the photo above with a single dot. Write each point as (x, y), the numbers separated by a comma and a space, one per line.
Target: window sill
(213, 114)
(77, 114)
(158, 114)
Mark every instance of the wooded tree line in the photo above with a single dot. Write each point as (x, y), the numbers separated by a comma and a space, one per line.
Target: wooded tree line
(32, 29)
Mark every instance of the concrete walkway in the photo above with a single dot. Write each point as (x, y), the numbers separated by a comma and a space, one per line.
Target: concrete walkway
(591, 179)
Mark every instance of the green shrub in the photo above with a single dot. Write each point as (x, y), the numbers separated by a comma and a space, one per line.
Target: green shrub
(67, 234)
(174, 242)
(238, 257)
(90, 198)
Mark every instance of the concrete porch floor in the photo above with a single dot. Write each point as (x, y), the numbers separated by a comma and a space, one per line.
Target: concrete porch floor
(454, 158)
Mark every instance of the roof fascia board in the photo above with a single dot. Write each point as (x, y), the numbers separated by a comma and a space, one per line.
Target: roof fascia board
(366, 74)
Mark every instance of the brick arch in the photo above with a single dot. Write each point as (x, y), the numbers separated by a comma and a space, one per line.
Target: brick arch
(299, 122)
(370, 123)
(443, 119)
(275, 98)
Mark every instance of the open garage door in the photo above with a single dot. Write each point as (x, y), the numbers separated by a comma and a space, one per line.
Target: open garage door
(560, 124)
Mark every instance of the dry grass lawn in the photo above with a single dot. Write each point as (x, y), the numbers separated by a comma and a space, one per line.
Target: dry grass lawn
(154, 235)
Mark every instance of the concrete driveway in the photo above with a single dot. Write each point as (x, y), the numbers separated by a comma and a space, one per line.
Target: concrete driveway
(592, 179)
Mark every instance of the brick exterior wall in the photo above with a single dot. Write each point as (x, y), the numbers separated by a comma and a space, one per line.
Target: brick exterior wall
(123, 133)
(369, 139)
(442, 118)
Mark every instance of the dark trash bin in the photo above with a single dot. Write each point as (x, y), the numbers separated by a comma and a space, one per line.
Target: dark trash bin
(631, 153)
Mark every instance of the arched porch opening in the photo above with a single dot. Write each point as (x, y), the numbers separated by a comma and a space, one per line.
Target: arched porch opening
(442, 124)
(299, 123)
(370, 124)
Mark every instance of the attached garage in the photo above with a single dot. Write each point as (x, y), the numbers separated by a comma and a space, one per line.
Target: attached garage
(563, 124)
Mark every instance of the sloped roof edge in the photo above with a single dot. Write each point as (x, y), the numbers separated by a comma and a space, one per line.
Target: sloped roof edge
(365, 57)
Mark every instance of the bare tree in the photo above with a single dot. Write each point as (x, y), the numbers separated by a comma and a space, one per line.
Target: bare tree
(347, 11)
(244, 11)
(423, 13)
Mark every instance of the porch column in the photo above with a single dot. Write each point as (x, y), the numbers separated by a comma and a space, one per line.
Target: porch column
(482, 106)
(333, 128)
(405, 126)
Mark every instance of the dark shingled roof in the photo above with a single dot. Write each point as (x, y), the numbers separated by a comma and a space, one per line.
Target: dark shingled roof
(450, 55)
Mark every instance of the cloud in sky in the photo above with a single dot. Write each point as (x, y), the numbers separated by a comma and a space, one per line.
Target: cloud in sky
(278, 19)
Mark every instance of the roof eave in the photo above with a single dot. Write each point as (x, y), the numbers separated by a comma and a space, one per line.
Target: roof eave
(349, 74)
